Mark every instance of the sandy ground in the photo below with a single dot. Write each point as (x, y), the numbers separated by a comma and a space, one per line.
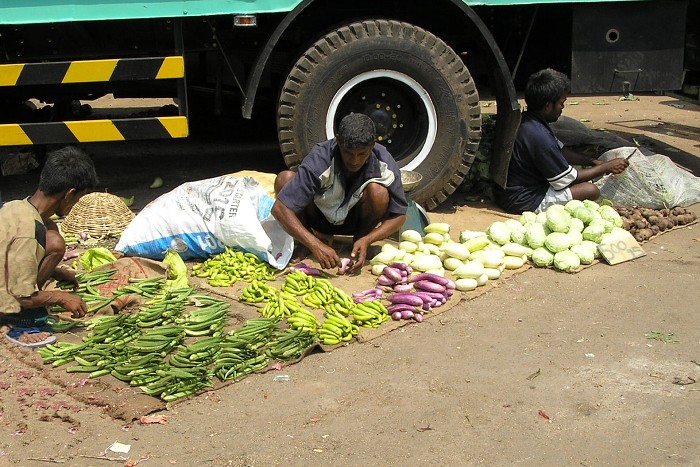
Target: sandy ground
(545, 369)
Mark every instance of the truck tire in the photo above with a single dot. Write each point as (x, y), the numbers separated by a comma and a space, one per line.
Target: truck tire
(416, 89)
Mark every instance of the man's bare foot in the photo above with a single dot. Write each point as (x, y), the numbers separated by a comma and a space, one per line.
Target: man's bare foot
(34, 337)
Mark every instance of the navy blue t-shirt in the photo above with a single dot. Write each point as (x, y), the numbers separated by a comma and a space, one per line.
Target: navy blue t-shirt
(320, 179)
(536, 164)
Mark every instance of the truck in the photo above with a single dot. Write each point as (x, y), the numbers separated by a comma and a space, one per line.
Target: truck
(417, 68)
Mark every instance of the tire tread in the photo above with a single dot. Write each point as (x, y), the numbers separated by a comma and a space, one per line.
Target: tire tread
(446, 60)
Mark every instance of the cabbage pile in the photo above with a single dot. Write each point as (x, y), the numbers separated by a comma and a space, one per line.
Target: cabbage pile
(563, 236)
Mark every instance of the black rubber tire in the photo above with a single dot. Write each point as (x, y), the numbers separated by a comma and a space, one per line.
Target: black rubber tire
(397, 63)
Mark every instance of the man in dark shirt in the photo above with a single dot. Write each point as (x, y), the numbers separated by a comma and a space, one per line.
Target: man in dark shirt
(540, 172)
(345, 186)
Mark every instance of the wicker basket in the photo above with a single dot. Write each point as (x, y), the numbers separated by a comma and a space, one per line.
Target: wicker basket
(98, 214)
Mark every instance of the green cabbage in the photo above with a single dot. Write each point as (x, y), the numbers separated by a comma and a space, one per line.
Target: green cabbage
(499, 232)
(609, 214)
(558, 219)
(541, 217)
(566, 261)
(556, 207)
(528, 216)
(572, 205)
(518, 236)
(557, 241)
(542, 257)
(592, 205)
(591, 246)
(535, 235)
(575, 237)
(585, 254)
(594, 233)
(576, 224)
(608, 226)
(584, 214)
(514, 224)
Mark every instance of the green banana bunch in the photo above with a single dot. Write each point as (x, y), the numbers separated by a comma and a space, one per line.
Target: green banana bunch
(370, 314)
(336, 328)
(282, 305)
(298, 283)
(303, 319)
(258, 292)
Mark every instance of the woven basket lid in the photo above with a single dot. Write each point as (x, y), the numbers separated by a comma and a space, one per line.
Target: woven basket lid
(98, 214)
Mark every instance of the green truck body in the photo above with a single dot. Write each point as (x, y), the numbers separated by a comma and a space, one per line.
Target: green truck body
(413, 66)
(40, 11)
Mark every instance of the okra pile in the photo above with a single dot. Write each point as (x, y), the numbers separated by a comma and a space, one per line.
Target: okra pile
(177, 344)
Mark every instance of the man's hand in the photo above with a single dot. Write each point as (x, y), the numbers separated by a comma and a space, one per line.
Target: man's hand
(65, 274)
(326, 256)
(71, 303)
(616, 166)
(359, 254)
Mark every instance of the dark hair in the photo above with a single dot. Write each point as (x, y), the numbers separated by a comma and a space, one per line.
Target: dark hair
(356, 131)
(545, 86)
(66, 168)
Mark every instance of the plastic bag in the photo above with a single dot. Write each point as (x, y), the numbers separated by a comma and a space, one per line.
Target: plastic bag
(199, 219)
(650, 182)
(177, 271)
(95, 257)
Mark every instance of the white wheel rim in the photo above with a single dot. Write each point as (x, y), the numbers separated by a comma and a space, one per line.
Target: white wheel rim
(408, 81)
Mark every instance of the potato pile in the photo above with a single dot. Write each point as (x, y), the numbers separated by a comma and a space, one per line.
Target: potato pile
(644, 223)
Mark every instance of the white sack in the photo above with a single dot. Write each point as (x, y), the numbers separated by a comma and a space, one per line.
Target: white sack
(199, 219)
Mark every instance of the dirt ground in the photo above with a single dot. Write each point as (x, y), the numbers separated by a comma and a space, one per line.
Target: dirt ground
(545, 368)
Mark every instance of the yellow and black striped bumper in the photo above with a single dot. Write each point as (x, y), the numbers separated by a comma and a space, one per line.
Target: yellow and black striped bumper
(90, 131)
(93, 71)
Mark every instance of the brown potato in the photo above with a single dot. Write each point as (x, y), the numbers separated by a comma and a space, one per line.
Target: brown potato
(684, 219)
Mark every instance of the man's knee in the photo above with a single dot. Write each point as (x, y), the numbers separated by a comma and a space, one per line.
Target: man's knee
(282, 179)
(586, 190)
(377, 195)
